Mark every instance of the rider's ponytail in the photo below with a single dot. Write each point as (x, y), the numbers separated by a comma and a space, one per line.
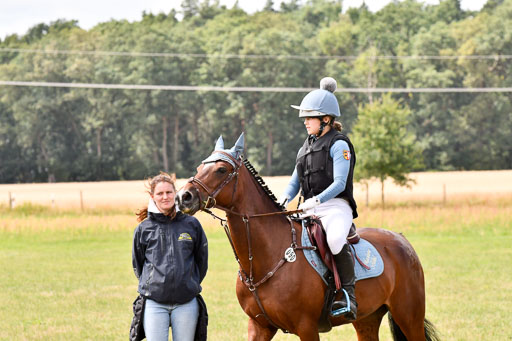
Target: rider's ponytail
(337, 125)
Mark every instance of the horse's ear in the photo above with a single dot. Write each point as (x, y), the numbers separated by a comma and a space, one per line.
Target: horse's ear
(173, 177)
(238, 148)
(220, 144)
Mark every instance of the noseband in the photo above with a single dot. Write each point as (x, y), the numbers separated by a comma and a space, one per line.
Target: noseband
(210, 202)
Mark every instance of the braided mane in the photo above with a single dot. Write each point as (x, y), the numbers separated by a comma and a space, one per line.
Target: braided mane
(262, 184)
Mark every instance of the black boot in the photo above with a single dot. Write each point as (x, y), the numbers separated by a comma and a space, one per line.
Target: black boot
(345, 267)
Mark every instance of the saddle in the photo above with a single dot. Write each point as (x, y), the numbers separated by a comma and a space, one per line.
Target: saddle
(317, 236)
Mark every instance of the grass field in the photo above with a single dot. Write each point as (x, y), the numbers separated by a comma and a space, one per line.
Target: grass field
(67, 275)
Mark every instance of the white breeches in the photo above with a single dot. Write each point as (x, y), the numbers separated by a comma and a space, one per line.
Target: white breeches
(336, 217)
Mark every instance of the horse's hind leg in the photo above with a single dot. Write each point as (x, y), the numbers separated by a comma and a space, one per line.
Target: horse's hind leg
(409, 316)
(411, 326)
(367, 328)
(258, 333)
(407, 301)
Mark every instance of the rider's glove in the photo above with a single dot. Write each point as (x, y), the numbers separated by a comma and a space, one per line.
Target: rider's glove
(284, 199)
(309, 204)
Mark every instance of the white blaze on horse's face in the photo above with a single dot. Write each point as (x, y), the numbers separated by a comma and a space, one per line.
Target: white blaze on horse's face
(207, 166)
(210, 171)
(216, 169)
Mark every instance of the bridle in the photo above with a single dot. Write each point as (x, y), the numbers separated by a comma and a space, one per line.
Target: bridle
(210, 201)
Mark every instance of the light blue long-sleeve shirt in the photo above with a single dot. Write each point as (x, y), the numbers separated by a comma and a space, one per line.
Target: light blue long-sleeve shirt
(341, 167)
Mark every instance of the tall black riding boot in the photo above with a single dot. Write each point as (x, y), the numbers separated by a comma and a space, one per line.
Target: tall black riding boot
(345, 267)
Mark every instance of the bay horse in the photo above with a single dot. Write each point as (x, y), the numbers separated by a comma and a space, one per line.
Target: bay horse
(278, 293)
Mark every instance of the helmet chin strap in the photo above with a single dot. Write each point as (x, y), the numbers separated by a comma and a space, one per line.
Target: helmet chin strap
(322, 127)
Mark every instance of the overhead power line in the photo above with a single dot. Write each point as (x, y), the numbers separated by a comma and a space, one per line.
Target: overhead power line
(154, 87)
(251, 56)
(244, 89)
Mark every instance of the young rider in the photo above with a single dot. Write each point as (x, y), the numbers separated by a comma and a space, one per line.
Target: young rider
(324, 171)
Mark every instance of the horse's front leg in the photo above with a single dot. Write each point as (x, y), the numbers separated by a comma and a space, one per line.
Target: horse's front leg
(259, 333)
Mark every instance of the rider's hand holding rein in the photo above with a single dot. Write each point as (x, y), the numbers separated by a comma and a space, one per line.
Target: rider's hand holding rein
(308, 205)
(284, 200)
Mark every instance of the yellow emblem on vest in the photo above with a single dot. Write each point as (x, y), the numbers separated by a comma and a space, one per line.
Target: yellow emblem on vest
(185, 236)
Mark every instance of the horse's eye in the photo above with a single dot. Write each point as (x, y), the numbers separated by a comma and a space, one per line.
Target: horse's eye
(222, 170)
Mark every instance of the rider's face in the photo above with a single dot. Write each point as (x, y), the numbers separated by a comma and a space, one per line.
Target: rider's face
(312, 125)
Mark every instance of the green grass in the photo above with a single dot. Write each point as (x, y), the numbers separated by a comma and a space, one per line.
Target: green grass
(68, 276)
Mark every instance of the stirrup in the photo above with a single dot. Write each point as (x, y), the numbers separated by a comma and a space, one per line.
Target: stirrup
(343, 310)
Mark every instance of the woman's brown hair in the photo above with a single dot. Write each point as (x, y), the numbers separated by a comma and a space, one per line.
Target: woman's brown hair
(151, 184)
(337, 125)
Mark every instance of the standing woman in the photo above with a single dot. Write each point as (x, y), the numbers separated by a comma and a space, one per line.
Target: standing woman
(170, 259)
(324, 171)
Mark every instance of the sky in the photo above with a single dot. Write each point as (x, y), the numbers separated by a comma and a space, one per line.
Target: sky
(17, 16)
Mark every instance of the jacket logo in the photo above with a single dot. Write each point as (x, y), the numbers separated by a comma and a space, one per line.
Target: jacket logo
(185, 236)
(346, 154)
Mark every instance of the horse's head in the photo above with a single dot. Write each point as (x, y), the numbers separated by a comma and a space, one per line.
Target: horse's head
(215, 181)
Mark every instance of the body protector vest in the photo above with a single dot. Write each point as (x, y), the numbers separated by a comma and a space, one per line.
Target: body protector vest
(315, 167)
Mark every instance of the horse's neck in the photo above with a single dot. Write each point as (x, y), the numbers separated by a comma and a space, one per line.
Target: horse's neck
(268, 236)
(265, 238)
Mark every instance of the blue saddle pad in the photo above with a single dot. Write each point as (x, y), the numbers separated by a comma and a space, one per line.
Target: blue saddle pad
(366, 252)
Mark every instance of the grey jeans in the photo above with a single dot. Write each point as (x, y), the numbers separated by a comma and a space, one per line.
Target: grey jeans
(181, 317)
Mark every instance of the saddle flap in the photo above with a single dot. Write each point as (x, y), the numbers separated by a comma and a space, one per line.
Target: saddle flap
(317, 236)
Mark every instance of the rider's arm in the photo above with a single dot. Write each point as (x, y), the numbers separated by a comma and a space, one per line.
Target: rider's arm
(293, 186)
(341, 167)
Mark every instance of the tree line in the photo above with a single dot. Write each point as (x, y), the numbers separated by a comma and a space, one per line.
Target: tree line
(87, 134)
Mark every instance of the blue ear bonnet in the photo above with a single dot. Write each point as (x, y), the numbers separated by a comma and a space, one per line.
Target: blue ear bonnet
(235, 151)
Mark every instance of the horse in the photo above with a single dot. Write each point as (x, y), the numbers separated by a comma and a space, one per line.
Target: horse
(277, 292)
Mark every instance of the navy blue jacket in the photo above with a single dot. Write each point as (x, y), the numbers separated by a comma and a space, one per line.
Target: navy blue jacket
(170, 258)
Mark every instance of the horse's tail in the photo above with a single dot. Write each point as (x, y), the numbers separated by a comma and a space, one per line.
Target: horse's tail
(431, 333)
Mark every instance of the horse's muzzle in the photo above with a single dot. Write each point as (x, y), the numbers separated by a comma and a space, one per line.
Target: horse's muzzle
(187, 202)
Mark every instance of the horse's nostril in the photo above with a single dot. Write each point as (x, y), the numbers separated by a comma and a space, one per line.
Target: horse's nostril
(186, 197)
